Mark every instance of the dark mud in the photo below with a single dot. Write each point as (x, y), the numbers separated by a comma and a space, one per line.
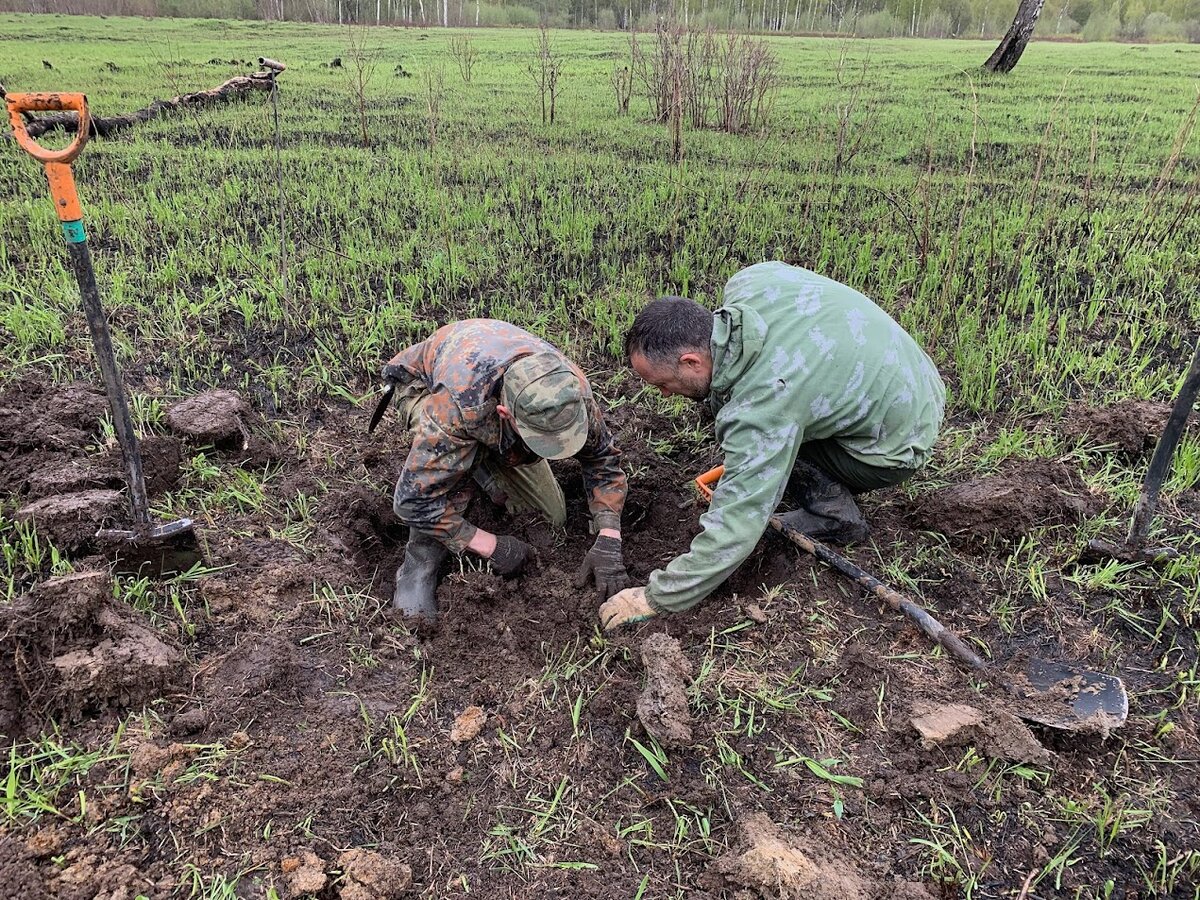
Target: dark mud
(1024, 495)
(1130, 426)
(315, 741)
(68, 651)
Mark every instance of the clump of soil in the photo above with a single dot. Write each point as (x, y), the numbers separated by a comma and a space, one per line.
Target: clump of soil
(44, 417)
(467, 725)
(368, 875)
(1131, 426)
(772, 865)
(303, 874)
(997, 733)
(662, 707)
(67, 649)
(41, 431)
(1026, 494)
(71, 521)
(59, 476)
(160, 466)
(214, 417)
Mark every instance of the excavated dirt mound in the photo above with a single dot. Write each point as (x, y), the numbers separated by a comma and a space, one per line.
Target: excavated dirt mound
(1026, 494)
(43, 428)
(48, 476)
(36, 416)
(67, 650)
(71, 521)
(1131, 426)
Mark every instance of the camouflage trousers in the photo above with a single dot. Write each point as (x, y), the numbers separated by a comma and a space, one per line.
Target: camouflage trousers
(531, 488)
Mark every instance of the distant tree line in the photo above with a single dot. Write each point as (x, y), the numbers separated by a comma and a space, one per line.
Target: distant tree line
(1089, 20)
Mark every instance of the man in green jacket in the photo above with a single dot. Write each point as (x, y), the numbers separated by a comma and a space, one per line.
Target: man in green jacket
(810, 383)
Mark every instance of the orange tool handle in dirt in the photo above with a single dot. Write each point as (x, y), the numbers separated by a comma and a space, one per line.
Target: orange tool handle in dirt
(931, 627)
(57, 162)
(705, 482)
(66, 204)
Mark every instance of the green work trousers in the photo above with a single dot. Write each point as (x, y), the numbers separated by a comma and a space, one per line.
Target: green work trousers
(855, 474)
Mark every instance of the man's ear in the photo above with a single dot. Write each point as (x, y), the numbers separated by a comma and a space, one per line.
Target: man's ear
(691, 360)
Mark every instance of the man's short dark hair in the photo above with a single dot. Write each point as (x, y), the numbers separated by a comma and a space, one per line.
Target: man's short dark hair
(668, 327)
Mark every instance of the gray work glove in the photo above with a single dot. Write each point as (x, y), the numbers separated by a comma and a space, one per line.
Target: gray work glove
(606, 564)
(510, 556)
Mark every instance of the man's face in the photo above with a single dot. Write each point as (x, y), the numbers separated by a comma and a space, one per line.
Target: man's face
(690, 376)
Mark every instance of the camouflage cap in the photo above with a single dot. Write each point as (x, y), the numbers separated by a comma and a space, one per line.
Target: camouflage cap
(547, 398)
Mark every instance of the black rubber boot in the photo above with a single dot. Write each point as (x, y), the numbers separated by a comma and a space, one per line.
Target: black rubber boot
(827, 510)
(416, 579)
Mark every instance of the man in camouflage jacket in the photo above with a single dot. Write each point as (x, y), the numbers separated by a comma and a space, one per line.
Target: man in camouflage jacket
(487, 403)
(810, 383)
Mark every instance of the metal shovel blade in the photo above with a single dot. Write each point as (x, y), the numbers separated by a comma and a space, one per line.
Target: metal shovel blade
(153, 550)
(1073, 699)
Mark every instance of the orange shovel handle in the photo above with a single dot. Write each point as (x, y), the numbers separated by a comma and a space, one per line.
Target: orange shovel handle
(57, 162)
(705, 483)
(50, 101)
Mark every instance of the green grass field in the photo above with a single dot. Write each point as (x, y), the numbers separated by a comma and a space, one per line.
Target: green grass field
(1007, 222)
(1036, 233)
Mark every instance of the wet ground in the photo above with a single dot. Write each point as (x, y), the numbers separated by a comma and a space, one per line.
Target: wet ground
(285, 719)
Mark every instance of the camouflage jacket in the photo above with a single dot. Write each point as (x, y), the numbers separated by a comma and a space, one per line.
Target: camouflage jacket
(798, 357)
(463, 366)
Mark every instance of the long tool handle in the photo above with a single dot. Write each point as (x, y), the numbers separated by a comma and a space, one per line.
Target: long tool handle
(931, 627)
(70, 214)
(81, 264)
(1160, 463)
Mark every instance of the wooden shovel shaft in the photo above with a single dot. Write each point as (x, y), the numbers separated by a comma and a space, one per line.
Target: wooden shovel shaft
(931, 627)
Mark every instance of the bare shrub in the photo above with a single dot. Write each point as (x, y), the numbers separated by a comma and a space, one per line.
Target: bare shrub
(654, 67)
(622, 82)
(748, 81)
(363, 60)
(465, 54)
(727, 81)
(545, 70)
(435, 90)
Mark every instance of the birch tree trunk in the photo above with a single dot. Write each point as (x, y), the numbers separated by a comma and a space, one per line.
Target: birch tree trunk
(1006, 56)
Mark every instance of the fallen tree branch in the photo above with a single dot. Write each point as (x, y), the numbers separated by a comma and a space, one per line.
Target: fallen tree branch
(238, 86)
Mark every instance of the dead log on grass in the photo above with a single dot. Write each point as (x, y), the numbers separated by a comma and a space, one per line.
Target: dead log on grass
(238, 86)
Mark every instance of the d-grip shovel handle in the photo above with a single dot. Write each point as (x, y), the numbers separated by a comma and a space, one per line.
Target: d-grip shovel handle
(929, 626)
(57, 162)
(49, 101)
